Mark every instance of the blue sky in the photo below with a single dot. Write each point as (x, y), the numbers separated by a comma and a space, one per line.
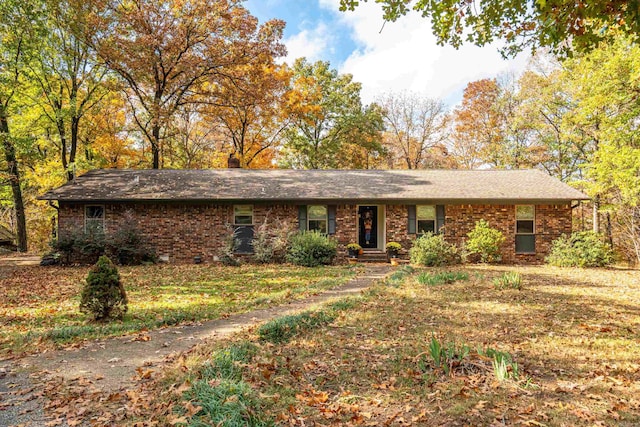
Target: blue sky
(402, 57)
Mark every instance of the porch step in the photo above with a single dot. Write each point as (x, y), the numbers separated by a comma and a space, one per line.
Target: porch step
(377, 256)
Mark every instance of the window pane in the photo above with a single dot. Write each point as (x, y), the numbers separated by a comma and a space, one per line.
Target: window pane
(426, 226)
(243, 214)
(318, 225)
(94, 212)
(526, 244)
(524, 227)
(243, 237)
(427, 212)
(317, 212)
(525, 212)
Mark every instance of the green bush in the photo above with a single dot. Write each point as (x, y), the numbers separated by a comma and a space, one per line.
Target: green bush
(485, 242)
(580, 249)
(311, 249)
(103, 295)
(432, 250)
(510, 279)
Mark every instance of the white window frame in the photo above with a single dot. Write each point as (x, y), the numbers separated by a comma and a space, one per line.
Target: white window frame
(325, 219)
(235, 215)
(88, 220)
(418, 218)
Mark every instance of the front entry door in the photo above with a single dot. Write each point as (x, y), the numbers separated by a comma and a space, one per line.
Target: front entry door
(368, 226)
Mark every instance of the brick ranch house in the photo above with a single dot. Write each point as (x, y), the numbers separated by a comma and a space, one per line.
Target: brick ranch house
(189, 213)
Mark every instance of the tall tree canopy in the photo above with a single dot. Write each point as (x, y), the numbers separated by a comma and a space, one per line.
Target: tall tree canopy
(562, 25)
(169, 51)
(328, 119)
(415, 130)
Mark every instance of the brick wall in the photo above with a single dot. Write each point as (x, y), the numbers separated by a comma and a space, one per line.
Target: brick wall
(184, 231)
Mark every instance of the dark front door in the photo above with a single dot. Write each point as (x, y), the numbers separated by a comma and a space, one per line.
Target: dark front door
(368, 226)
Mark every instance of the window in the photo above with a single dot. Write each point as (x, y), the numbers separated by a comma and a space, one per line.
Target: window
(243, 214)
(426, 219)
(525, 228)
(243, 230)
(93, 218)
(317, 218)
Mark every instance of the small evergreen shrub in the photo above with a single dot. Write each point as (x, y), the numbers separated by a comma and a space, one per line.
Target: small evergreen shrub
(103, 295)
(580, 249)
(432, 250)
(508, 280)
(485, 242)
(311, 249)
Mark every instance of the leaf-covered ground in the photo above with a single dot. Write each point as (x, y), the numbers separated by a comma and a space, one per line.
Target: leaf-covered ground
(574, 335)
(39, 305)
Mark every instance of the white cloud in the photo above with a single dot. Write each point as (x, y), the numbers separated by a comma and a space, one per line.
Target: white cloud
(311, 43)
(405, 56)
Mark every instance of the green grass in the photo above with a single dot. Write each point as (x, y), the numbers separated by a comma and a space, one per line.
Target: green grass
(441, 278)
(39, 306)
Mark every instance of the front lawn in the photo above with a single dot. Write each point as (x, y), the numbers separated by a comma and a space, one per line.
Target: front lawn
(569, 337)
(39, 305)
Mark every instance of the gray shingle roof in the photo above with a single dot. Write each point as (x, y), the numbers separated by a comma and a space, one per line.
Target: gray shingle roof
(461, 186)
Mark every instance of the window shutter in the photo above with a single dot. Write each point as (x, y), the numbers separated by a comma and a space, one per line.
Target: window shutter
(302, 217)
(331, 212)
(439, 217)
(411, 226)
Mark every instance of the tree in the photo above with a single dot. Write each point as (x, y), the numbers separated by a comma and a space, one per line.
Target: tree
(18, 35)
(69, 79)
(491, 129)
(478, 126)
(563, 25)
(415, 127)
(169, 51)
(252, 115)
(327, 118)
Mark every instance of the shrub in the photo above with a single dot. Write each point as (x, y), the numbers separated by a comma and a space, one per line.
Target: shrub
(432, 250)
(485, 242)
(271, 241)
(129, 247)
(311, 249)
(580, 249)
(510, 279)
(441, 278)
(103, 295)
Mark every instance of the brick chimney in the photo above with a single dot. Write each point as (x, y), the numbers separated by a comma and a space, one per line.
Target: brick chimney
(233, 162)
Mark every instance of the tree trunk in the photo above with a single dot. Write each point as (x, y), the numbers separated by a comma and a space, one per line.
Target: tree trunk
(14, 178)
(609, 230)
(75, 125)
(155, 146)
(596, 217)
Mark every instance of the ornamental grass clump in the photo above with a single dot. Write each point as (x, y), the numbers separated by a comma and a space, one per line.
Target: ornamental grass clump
(103, 295)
